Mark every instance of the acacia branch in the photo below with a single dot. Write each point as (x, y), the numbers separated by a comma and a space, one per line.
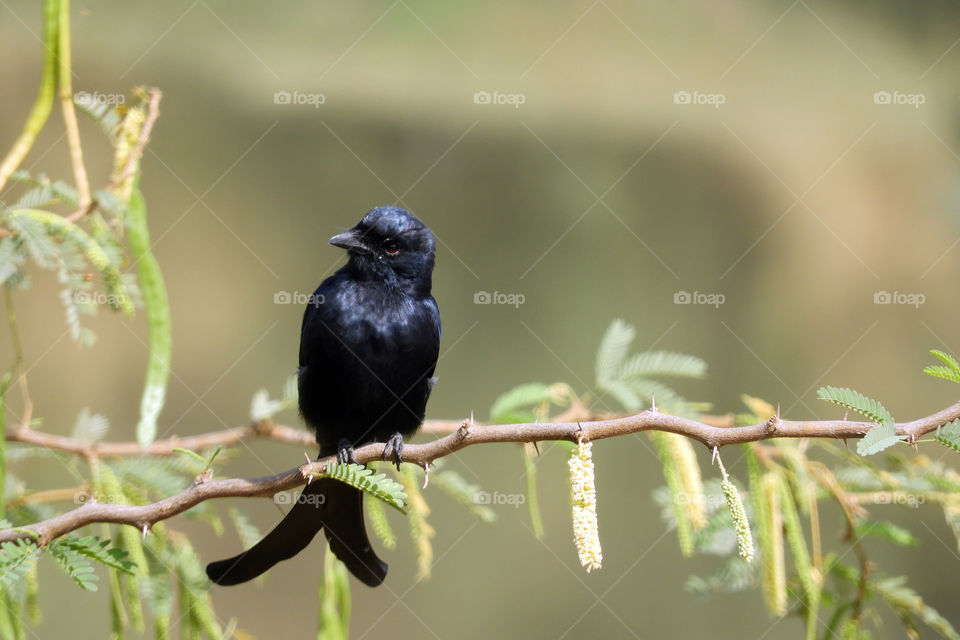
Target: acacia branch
(466, 434)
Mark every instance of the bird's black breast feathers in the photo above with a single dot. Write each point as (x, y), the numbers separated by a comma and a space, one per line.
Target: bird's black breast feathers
(368, 350)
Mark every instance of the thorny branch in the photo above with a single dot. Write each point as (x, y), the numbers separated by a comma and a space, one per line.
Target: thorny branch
(459, 436)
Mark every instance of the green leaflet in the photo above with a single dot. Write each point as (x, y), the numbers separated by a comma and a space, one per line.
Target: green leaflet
(949, 372)
(157, 310)
(663, 363)
(613, 349)
(949, 435)
(518, 401)
(881, 437)
(628, 380)
(379, 485)
(377, 517)
(55, 225)
(855, 401)
(16, 559)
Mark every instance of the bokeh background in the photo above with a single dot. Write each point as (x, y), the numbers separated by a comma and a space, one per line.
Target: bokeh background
(629, 151)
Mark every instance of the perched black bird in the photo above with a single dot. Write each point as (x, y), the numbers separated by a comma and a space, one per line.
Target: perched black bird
(368, 349)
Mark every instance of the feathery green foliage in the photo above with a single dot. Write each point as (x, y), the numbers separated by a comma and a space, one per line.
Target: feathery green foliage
(949, 372)
(74, 556)
(16, 559)
(377, 517)
(466, 493)
(628, 379)
(949, 435)
(881, 437)
(378, 486)
(420, 530)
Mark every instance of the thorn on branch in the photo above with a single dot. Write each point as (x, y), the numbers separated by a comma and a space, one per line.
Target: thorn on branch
(773, 422)
(464, 429)
(203, 477)
(426, 474)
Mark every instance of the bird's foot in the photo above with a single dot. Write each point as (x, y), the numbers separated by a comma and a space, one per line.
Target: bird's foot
(395, 446)
(345, 452)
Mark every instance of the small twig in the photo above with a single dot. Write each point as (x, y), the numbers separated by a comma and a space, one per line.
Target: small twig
(66, 106)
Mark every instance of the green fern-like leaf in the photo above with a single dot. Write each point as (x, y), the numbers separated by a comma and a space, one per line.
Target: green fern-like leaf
(736, 575)
(888, 531)
(99, 551)
(518, 402)
(90, 427)
(949, 372)
(613, 349)
(663, 363)
(106, 115)
(379, 485)
(949, 435)
(35, 240)
(882, 436)
(16, 559)
(75, 565)
(467, 494)
(249, 534)
(60, 192)
(10, 260)
(909, 604)
(854, 401)
(377, 517)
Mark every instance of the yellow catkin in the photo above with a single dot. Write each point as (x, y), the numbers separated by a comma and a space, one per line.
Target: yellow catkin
(774, 565)
(737, 512)
(689, 472)
(583, 497)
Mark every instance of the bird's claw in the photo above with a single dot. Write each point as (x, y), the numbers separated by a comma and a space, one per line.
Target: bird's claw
(345, 453)
(394, 445)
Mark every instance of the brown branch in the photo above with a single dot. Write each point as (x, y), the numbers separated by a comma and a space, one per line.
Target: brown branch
(465, 435)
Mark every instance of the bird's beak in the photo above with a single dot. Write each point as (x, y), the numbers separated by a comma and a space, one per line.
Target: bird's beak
(350, 240)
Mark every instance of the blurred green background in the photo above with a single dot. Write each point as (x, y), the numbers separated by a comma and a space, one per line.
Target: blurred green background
(603, 195)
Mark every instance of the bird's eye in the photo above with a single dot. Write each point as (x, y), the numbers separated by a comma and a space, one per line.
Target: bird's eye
(391, 248)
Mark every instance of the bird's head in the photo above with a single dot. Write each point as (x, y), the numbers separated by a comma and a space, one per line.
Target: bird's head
(390, 244)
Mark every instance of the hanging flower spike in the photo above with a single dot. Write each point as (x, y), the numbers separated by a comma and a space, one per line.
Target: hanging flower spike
(737, 512)
(583, 497)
